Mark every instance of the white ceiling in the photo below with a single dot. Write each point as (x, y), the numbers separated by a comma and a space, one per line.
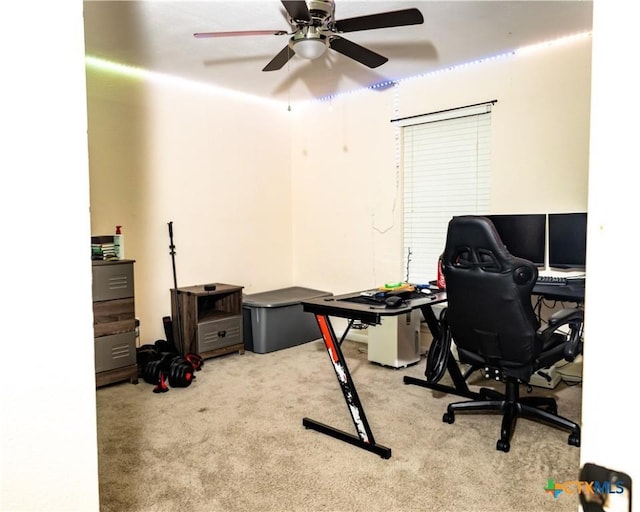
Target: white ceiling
(158, 36)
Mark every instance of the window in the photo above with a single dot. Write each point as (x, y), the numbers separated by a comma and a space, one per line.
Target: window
(446, 163)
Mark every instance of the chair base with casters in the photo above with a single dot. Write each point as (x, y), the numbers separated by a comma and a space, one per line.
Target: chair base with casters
(512, 406)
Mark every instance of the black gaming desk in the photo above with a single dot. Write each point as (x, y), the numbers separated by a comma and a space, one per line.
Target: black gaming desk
(354, 307)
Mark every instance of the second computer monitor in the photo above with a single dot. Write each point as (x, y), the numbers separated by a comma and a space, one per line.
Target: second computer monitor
(567, 240)
(523, 235)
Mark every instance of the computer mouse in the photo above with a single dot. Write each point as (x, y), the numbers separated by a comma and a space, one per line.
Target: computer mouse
(393, 301)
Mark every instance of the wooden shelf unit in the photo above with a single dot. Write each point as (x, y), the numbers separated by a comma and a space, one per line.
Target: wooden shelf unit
(210, 321)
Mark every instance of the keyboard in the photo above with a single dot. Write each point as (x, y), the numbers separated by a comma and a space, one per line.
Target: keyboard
(552, 280)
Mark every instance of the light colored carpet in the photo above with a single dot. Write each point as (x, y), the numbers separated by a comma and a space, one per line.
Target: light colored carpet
(234, 441)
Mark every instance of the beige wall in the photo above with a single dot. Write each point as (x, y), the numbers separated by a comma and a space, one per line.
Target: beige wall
(347, 181)
(346, 203)
(214, 164)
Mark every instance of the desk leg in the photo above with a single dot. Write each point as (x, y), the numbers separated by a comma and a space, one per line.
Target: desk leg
(459, 387)
(364, 439)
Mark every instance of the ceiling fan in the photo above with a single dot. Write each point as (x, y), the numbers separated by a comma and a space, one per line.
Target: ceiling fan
(314, 29)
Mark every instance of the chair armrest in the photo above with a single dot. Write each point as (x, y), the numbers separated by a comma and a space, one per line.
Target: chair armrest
(574, 317)
(564, 316)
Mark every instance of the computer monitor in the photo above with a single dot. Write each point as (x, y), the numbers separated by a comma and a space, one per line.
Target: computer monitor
(523, 235)
(567, 240)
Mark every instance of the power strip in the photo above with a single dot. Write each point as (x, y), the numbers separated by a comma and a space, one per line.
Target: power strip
(541, 382)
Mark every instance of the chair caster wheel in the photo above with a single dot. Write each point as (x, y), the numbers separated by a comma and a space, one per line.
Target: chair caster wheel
(503, 446)
(574, 440)
(448, 418)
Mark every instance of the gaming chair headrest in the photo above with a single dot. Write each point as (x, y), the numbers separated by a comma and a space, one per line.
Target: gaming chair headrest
(472, 241)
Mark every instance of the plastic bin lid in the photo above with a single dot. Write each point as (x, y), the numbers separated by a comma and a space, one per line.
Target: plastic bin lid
(282, 297)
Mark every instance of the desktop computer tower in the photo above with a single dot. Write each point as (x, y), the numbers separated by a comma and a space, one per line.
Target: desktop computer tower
(396, 341)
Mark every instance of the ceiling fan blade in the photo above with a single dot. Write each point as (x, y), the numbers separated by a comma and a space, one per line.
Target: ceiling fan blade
(280, 60)
(297, 9)
(241, 33)
(355, 51)
(381, 20)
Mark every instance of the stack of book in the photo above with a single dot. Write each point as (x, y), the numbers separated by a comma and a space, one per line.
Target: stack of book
(103, 248)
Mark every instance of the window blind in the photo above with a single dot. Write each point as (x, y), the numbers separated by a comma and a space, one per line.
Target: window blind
(446, 172)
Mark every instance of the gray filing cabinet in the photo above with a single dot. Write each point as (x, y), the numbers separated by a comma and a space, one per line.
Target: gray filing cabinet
(114, 322)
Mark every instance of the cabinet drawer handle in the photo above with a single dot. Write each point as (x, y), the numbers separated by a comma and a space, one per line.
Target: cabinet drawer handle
(222, 334)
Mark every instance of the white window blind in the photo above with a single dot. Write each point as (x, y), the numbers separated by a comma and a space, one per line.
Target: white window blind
(446, 164)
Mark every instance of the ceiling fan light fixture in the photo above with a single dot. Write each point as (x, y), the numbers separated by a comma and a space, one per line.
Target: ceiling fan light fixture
(309, 48)
(309, 43)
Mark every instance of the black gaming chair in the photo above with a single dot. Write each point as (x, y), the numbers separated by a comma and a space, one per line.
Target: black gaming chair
(493, 325)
